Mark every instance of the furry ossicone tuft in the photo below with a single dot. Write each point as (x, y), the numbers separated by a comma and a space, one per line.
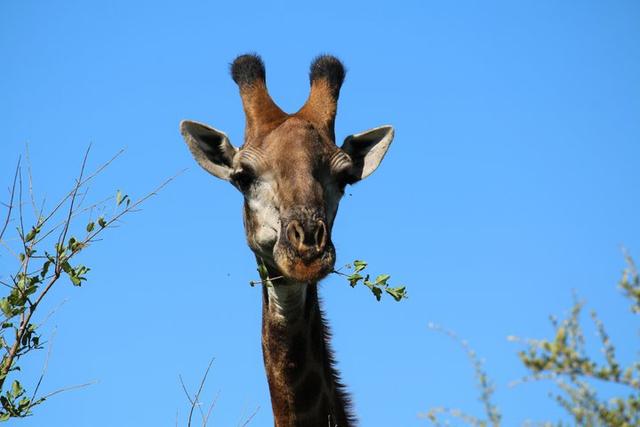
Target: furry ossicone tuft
(329, 68)
(247, 68)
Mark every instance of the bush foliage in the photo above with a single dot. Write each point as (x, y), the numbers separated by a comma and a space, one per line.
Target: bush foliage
(576, 374)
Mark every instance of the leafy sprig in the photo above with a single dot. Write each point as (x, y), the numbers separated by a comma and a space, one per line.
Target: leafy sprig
(377, 286)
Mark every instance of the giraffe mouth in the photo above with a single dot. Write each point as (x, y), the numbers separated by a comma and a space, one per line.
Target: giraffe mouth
(304, 269)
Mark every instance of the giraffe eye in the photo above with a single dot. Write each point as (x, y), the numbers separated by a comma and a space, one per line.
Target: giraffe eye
(242, 178)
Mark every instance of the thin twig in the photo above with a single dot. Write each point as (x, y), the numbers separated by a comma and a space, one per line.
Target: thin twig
(192, 402)
(52, 312)
(268, 279)
(63, 235)
(44, 371)
(62, 390)
(131, 208)
(20, 209)
(33, 200)
(250, 417)
(87, 179)
(10, 250)
(197, 396)
(10, 207)
(76, 213)
(213, 404)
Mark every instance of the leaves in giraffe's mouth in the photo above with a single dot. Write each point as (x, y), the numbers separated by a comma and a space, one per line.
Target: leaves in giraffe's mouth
(378, 287)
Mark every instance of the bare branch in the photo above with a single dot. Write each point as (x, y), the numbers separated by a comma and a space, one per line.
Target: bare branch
(74, 194)
(10, 206)
(248, 420)
(31, 196)
(213, 404)
(62, 390)
(87, 179)
(197, 396)
(76, 213)
(131, 208)
(192, 402)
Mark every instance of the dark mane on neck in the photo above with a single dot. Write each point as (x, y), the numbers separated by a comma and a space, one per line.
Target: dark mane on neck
(289, 346)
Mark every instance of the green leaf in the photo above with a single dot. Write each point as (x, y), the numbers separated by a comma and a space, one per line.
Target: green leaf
(60, 248)
(101, 222)
(45, 268)
(23, 404)
(359, 265)
(120, 198)
(354, 279)
(382, 279)
(90, 226)
(16, 389)
(66, 267)
(32, 234)
(377, 292)
(262, 271)
(5, 306)
(398, 293)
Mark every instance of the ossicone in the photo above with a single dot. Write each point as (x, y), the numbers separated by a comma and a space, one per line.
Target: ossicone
(248, 68)
(330, 69)
(261, 112)
(326, 76)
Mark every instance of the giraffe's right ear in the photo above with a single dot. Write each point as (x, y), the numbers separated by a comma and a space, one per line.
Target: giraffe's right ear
(210, 147)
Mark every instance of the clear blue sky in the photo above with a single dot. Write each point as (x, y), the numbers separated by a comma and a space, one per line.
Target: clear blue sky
(513, 179)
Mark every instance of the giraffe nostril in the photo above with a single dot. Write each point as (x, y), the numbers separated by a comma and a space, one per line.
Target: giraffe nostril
(321, 234)
(295, 234)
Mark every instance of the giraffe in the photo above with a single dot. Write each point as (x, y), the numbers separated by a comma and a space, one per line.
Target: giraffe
(292, 176)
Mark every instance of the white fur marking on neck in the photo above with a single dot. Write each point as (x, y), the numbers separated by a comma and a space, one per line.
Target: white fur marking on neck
(285, 299)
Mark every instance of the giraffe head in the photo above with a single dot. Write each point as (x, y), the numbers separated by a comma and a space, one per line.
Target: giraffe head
(289, 169)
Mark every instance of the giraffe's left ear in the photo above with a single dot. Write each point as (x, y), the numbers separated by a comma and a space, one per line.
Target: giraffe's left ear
(367, 149)
(210, 147)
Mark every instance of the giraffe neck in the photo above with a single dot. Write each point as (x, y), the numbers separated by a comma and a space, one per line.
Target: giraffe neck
(304, 386)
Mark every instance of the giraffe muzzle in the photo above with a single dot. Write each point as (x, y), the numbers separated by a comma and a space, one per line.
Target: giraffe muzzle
(304, 251)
